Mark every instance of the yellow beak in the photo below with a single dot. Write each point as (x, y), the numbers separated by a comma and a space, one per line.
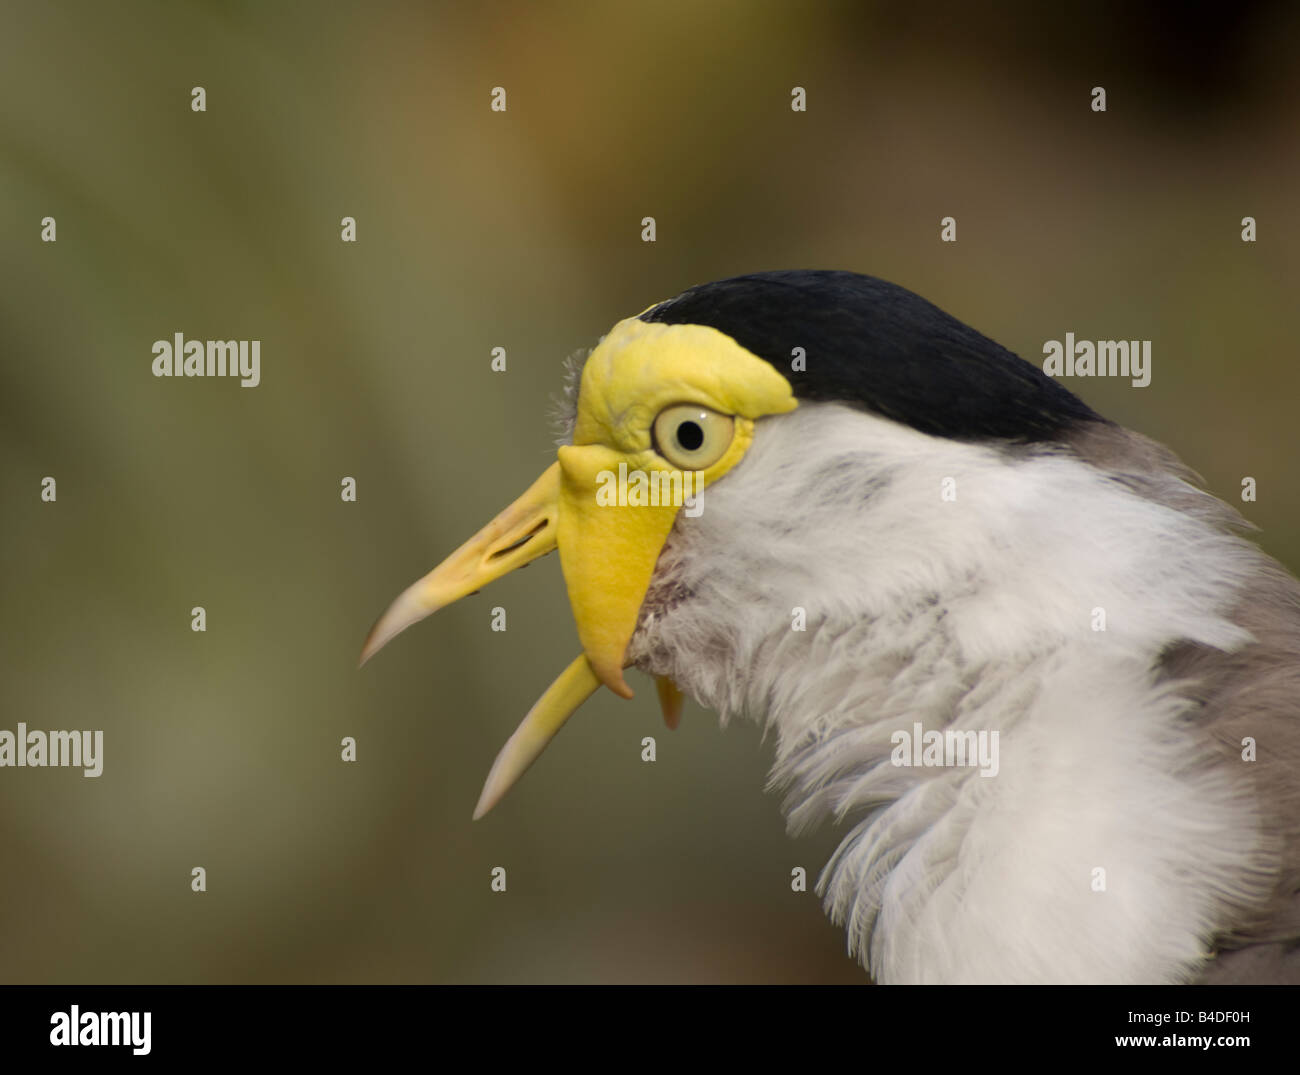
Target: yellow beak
(608, 554)
(519, 535)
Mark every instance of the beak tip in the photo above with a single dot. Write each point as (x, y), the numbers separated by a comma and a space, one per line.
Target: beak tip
(486, 799)
(372, 645)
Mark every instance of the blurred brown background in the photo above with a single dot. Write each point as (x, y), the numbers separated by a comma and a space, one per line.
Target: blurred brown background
(522, 230)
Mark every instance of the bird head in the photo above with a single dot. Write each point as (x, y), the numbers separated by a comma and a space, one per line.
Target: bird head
(670, 402)
(666, 408)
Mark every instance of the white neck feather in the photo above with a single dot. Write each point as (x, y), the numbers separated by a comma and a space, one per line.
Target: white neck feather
(979, 613)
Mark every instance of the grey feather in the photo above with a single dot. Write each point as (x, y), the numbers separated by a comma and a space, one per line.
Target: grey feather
(1250, 693)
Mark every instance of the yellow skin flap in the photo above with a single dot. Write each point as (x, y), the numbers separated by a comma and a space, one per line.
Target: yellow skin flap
(608, 551)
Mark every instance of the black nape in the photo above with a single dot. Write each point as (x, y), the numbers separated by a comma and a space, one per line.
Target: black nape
(873, 343)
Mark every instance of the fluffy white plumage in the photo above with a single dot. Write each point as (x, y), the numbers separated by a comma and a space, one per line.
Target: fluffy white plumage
(973, 613)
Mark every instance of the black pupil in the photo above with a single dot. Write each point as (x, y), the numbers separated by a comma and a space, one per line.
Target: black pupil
(690, 436)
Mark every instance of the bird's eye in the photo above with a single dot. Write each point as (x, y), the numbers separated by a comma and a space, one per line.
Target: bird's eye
(692, 437)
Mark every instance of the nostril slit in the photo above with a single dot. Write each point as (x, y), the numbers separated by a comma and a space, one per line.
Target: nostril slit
(522, 541)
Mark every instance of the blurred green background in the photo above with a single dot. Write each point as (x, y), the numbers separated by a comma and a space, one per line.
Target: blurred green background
(521, 230)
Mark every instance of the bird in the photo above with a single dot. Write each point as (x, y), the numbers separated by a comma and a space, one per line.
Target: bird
(908, 539)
